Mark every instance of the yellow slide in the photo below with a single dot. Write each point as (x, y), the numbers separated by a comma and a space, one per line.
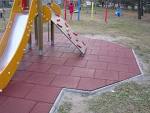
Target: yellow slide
(14, 40)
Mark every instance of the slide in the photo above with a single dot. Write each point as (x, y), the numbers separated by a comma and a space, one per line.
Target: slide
(14, 40)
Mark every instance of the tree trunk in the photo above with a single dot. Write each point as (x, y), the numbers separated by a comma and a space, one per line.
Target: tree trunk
(142, 11)
(139, 9)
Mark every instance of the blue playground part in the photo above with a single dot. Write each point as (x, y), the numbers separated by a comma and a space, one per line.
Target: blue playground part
(118, 12)
(79, 9)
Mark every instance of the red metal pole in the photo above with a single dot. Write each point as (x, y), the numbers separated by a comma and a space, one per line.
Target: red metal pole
(106, 12)
(65, 4)
(24, 4)
(106, 15)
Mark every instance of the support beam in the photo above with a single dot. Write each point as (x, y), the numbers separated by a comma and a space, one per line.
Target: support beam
(30, 39)
(36, 31)
(48, 32)
(28, 4)
(40, 27)
(30, 42)
(52, 33)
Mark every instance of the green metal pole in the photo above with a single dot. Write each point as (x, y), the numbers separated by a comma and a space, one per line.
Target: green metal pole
(52, 33)
(40, 27)
(52, 30)
(92, 9)
(48, 31)
(36, 31)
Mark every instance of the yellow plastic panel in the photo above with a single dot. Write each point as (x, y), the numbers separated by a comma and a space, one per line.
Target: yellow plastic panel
(7, 73)
(46, 13)
(56, 8)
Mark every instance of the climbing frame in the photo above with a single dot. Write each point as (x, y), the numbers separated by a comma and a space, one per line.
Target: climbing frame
(67, 31)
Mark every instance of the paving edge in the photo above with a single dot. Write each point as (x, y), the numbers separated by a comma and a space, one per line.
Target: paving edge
(97, 91)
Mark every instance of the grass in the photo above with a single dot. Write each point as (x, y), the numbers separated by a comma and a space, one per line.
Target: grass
(3, 21)
(134, 33)
(127, 98)
(128, 24)
(65, 107)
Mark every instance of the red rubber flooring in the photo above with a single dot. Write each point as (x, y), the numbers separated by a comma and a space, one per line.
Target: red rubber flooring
(39, 80)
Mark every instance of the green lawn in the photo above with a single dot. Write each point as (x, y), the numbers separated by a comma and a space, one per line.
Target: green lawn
(4, 20)
(126, 98)
(126, 30)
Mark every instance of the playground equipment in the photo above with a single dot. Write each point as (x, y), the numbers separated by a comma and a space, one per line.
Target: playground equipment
(71, 10)
(118, 12)
(65, 28)
(65, 10)
(92, 9)
(78, 11)
(106, 12)
(16, 37)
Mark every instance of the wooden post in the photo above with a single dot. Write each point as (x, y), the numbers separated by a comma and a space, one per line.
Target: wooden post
(52, 33)
(40, 27)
